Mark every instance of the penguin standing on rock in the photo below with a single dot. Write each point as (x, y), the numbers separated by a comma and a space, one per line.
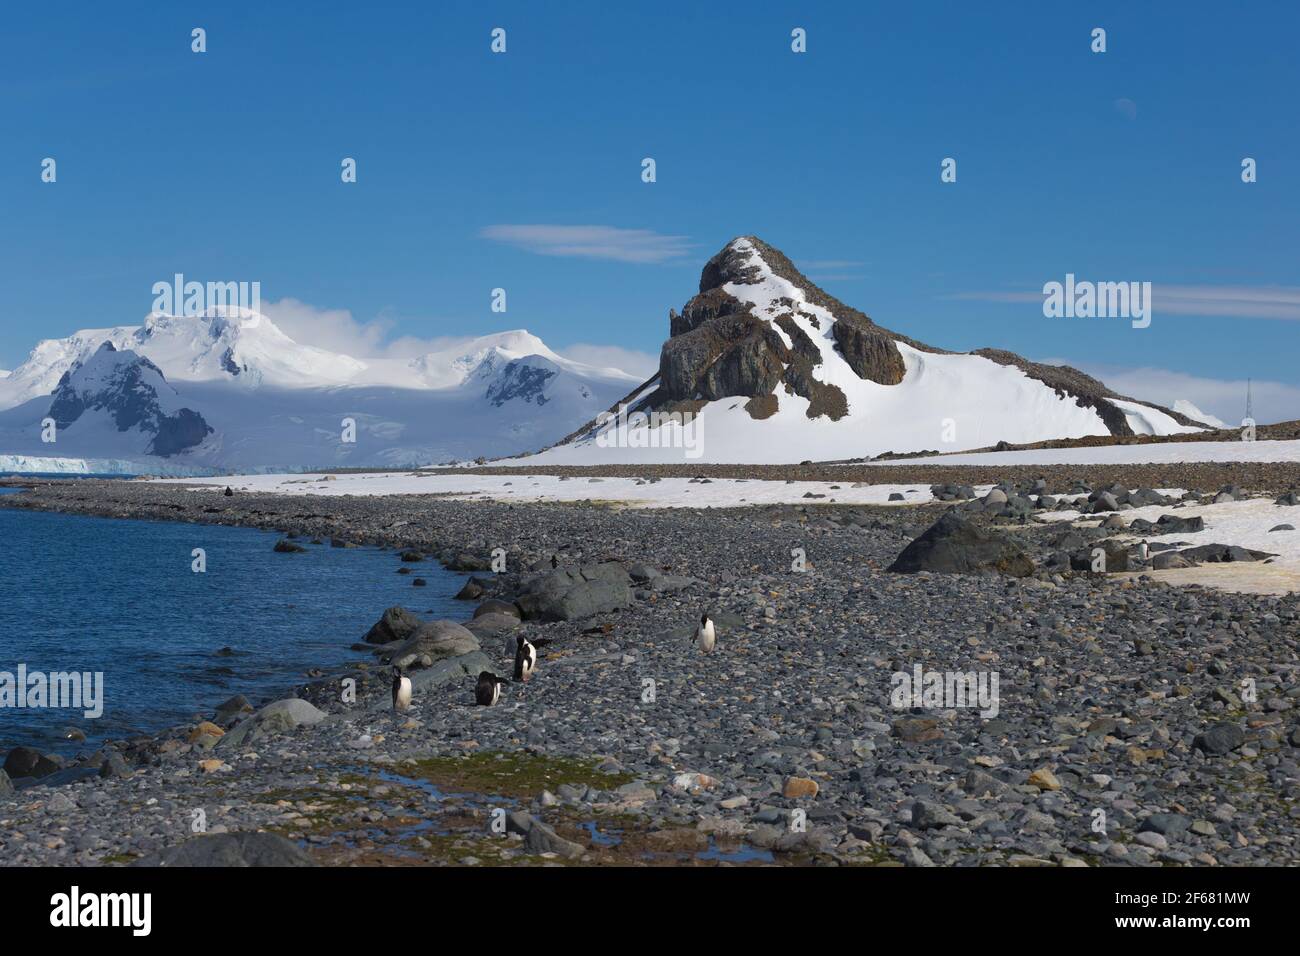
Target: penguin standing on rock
(401, 691)
(705, 637)
(488, 689)
(526, 657)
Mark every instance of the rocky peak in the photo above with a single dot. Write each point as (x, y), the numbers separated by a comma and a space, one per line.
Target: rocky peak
(758, 324)
(134, 392)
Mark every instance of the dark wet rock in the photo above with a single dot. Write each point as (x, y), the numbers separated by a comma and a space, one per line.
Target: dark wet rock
(396, 624)
(472, 590)
(114, 765)
(6, 785)
(494, 606)
(411, 557)
(285, 546)
(1217, 553)
(231, 850)
(231, 708)
(1220, 739)
(26, 762)
(954, 545)
(464, 561)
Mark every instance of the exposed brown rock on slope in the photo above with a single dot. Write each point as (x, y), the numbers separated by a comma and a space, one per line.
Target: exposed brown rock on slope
(720, 347)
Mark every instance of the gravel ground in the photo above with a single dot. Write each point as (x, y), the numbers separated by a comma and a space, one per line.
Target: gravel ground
(1121, 735)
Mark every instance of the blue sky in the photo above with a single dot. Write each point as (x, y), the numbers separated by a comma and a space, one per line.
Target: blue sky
(225, 166)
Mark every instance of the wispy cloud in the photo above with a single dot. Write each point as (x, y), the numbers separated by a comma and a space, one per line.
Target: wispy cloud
(1237, 302)
(337, 330)
(830, 270)
(632, 361)
(1126, 107)
(591, 242)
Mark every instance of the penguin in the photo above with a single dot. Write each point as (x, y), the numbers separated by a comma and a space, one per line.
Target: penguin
(705, 638)
(228, 492)
(488, 689)
(526, 657)
(401, 691)
(555, 562)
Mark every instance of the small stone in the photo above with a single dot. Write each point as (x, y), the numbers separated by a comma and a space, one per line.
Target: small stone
(798, 788)
(1044, 779)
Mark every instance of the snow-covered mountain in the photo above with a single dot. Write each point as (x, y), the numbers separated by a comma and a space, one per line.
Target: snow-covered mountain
(116, 392)
(775, 370)
(233, 392)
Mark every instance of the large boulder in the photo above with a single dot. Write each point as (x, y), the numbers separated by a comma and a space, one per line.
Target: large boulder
(396, 624)
(231, 849)
(493, 606)
(26, 762)
(953, 545)
(567, 595)
(490, 627)
(274, 718)
(460, 670)
(1216, 553)
(434, 641)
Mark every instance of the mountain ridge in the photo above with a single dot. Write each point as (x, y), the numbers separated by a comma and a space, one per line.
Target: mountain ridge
(762, 336)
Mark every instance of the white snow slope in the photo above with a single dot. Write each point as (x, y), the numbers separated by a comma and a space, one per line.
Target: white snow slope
(945, 402)
(277, 404)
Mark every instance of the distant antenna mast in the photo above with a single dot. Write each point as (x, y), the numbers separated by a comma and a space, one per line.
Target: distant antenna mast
(1249, 409)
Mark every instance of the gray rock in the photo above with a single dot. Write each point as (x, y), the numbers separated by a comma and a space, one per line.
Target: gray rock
(953, 545)
(231, 849)
(434, 641)
(1166, 824)
(396, 624)
(567, 595)
(1220, 739)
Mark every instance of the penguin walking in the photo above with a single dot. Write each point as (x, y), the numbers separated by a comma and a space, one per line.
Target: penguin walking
(705, 637)
(526, 657)
(488, 689)
(401, 691)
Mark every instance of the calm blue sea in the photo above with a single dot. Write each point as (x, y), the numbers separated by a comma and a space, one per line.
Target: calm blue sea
(119, 596)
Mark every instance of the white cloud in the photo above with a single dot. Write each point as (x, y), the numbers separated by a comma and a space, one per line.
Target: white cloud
(591, 242)
(1126, 107)
(337, 330)
(632, 361)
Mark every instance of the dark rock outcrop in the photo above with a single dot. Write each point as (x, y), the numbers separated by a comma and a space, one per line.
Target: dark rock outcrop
(395, 624)
(567, 595)
(953, 545)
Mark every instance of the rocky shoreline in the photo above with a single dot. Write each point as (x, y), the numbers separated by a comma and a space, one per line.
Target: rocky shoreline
(1136, 723)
